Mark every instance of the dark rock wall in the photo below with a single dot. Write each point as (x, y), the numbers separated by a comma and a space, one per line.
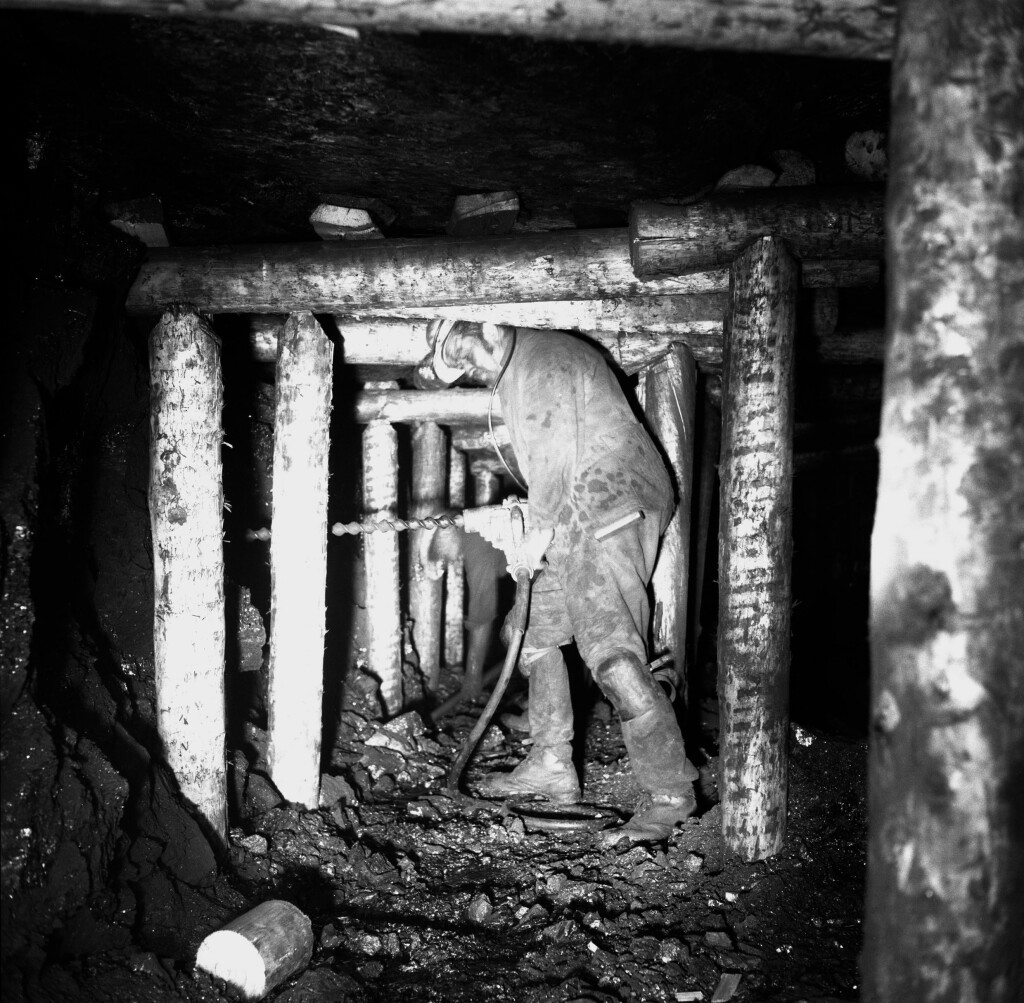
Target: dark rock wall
(91, 830)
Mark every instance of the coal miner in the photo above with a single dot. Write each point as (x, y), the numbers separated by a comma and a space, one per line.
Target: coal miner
(600, 497)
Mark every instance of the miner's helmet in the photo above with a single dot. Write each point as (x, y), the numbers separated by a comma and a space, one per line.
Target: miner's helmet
(432, 372)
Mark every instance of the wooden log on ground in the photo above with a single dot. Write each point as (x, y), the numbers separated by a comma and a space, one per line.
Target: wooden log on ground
(945, 887)
(669, 402)
(429, 467)
(815, 222)
(847, 29)
(755, 549)
(186, 504)
(256, 952)
(298, 559)
(454, 582)
(380, 550)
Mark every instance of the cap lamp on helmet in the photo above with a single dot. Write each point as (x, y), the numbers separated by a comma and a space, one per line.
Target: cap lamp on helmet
(433, 373)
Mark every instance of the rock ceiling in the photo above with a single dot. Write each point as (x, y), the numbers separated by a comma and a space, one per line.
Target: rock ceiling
(241, 128)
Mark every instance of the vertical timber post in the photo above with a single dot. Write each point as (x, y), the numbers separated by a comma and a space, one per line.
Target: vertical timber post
(383, 609)
(455, 591)
(945, 889)
(755, 547)
(298, 558)
(669, 401)
(186, 503)
(707, 477)
(486, 483)
(429, 469)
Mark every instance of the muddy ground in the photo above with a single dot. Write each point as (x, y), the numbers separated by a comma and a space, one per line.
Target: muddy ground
(416, 896)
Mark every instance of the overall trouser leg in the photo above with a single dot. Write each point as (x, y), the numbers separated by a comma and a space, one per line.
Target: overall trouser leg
(606, 589)
(548, 768)
(656, 751)
(649, 726)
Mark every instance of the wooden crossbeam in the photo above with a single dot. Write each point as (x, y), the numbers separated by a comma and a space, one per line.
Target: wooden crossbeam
(402, 344)
(392, 342)
(446, 406)
(666, 239)
(340, 277)
(646, 315)
(360, 277)
(852, 29)
(396, 344)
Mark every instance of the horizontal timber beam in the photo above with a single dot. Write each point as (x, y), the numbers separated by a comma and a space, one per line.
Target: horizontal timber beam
(362, 277)
(395, 342)
(457, 407)
(341, 276)
(397, 336)
(852, 29)
(477, 438)
(468, 407)
(651, 314)
(823, 223)
(400, 344)
(390, 342)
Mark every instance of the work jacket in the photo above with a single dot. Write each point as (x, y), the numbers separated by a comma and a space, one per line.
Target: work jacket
(585, 455)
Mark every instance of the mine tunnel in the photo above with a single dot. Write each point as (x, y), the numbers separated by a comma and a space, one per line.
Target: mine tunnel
(309, 298)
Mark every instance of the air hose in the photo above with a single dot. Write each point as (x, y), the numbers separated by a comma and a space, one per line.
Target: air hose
(517, 627)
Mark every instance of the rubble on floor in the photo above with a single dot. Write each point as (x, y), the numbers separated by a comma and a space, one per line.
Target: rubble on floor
(417, 895)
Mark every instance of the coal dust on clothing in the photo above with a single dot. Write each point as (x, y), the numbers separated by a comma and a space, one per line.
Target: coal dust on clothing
(588, 461)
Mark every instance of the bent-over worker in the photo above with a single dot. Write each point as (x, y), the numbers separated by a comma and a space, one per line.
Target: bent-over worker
(590, 466)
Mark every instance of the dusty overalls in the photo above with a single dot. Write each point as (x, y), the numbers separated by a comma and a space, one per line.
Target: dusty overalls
(588, 463)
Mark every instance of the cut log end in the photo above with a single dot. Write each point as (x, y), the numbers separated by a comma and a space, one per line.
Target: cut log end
(233, 959)
(259, 950)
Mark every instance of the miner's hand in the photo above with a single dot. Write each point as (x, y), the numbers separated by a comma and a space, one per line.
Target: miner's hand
(535, 543)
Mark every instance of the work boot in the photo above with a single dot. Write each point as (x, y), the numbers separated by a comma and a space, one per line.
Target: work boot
(656, 751)
(546, 771)
(654, 820)
(548, 768)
